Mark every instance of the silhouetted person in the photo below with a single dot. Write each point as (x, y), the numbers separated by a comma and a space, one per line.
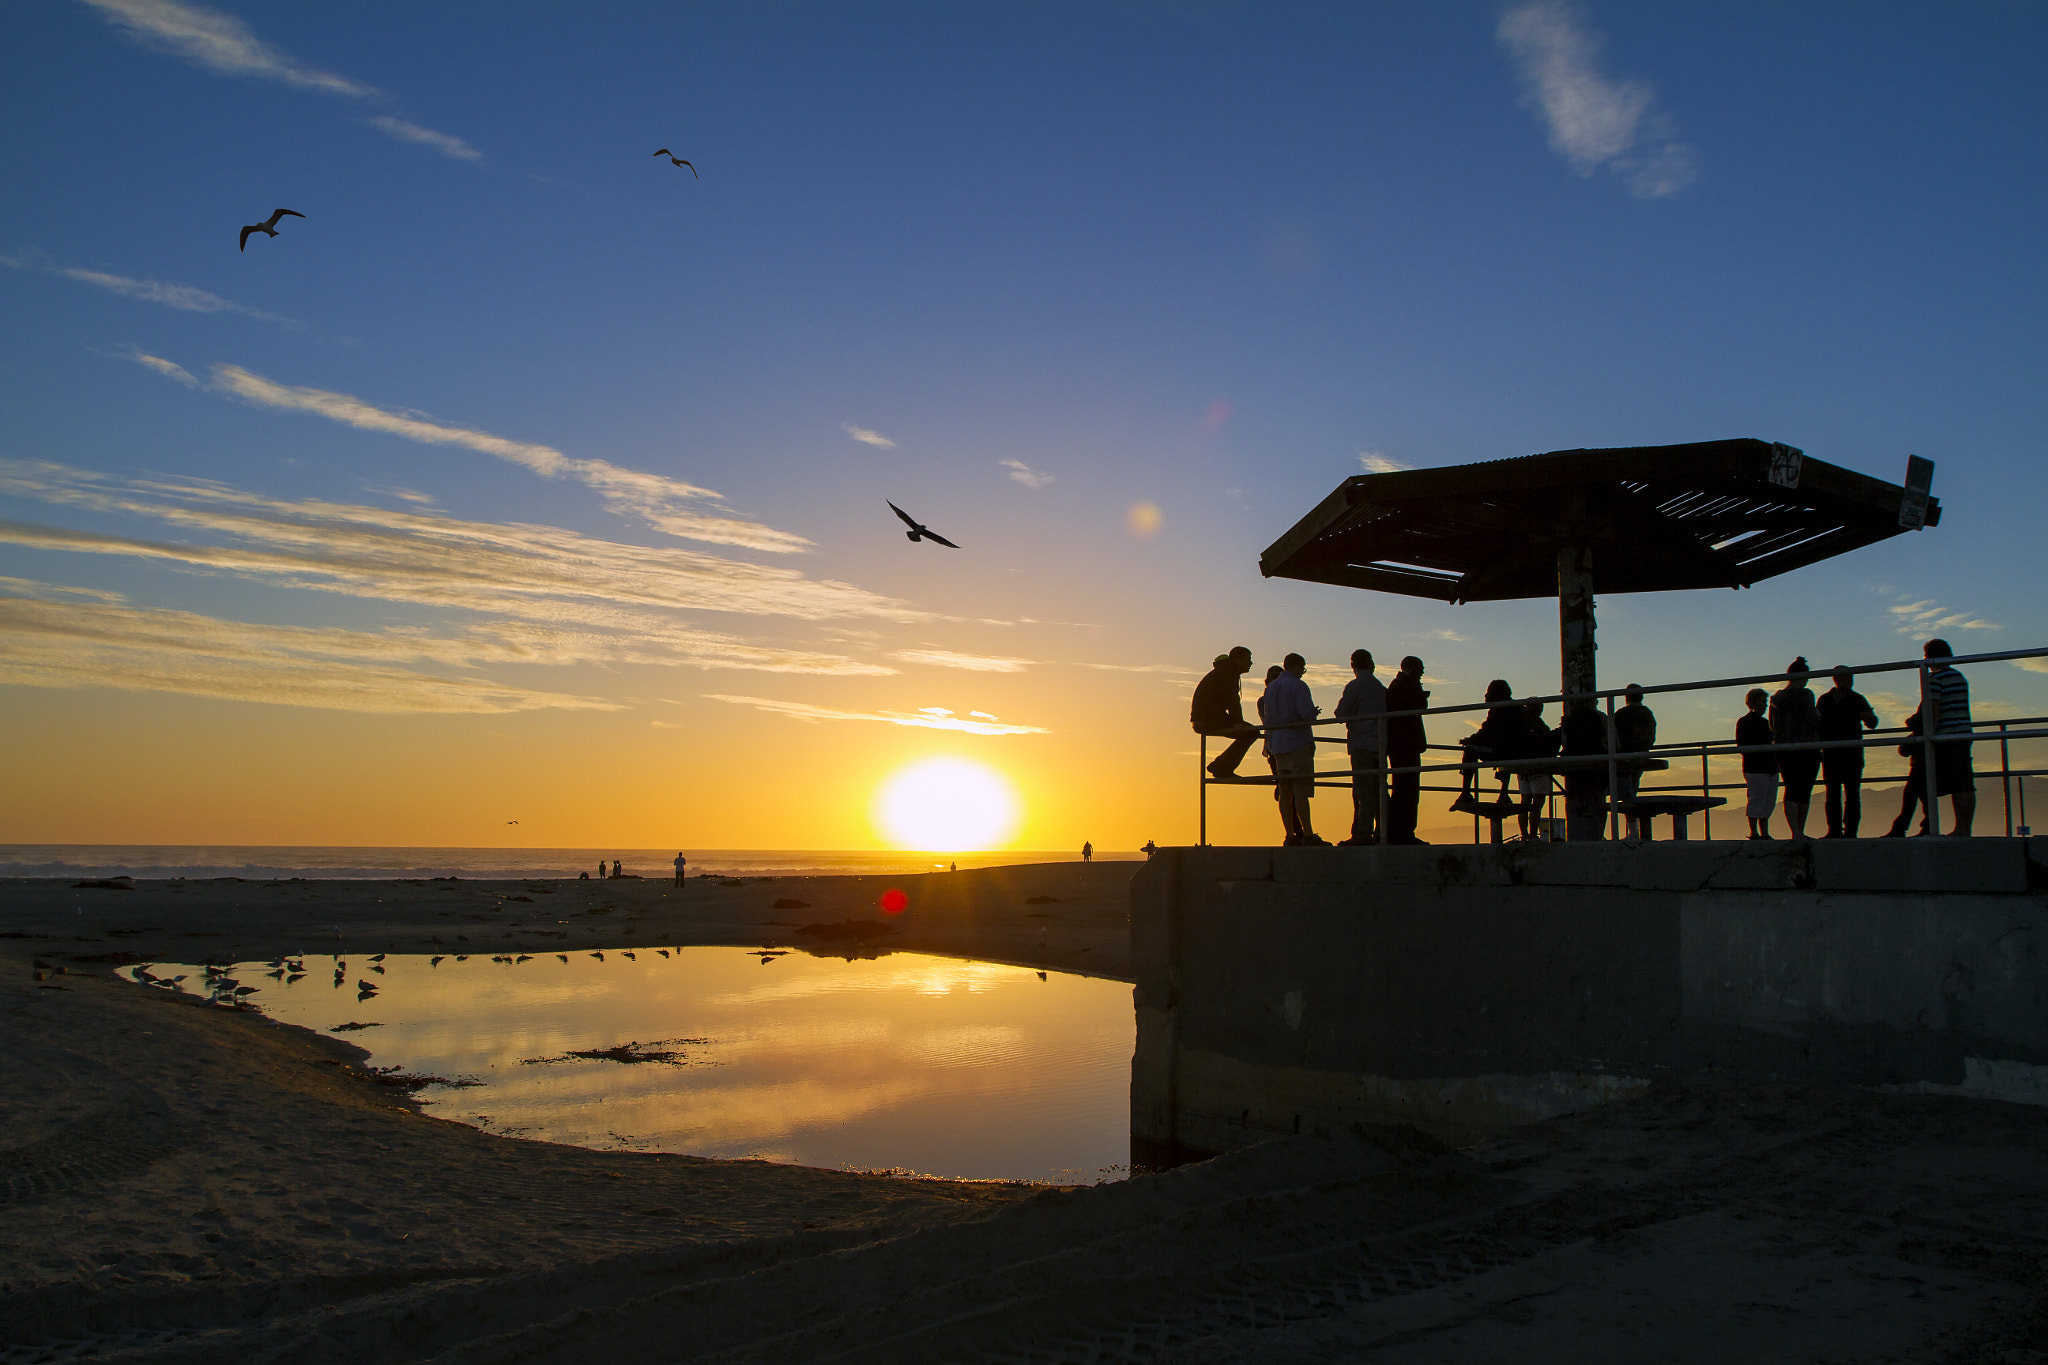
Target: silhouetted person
(1635, 732)
(1363, 703)
(681, 864)
(1843, 714)
(1406, 739)
(1501, 736)
(1149, 849)
(1759, 771)
(1288, 700)
(600, 869)
(1218, 710)
(617, 871)
(1916, 783)
(1795, 721)
(1954, 775)
(1585, 735)
(1087, 851)
(1535, 785)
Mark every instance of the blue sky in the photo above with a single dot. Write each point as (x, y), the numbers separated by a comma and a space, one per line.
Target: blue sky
(437, 463)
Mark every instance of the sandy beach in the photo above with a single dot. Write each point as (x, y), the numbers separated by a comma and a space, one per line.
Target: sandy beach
(187, 1183)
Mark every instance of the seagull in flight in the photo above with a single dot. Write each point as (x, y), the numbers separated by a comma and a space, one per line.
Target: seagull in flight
(269, 225)
(678, 160)
(918, 530)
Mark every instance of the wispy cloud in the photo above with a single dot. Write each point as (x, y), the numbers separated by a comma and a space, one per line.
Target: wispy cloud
(661, 502)
(1376, 463)
(973, 663)
(96, 644)
(184, 297)
(925, 720)
(219, 42)
(1441, 633)
(533, 578)
(169, 369)
(866, 437)
(2032, 665)
(1927, 616)
(1145, 668)
(1026, 475)
(446, 144)
(1594, 121)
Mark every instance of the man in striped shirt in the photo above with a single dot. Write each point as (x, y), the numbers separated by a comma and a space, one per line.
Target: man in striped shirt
(1948, 700)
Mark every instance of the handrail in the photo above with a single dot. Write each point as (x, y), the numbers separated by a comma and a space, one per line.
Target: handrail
(1707, 750)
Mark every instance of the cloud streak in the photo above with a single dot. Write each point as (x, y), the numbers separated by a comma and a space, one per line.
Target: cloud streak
(219, 42)
(446, 144)
(923, 720)
(1927, 616)
(661, 502)
(1593, 121)
(973, 663)
(866, 437)
(1376, 463)
(184, 297)
(1026, 475)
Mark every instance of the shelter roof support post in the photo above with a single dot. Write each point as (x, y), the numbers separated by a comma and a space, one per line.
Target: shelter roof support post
(1575, 619)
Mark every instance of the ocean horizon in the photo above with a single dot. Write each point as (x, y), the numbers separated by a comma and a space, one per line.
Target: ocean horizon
(357, 862)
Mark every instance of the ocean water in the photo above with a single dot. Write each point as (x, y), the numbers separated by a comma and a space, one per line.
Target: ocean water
(351, 863)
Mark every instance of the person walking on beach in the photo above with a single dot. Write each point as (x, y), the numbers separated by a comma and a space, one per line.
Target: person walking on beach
(1759, 771)
(1406, 739)
(1087, 851)
(1947, 696)
(1363, 704)
(1843, 714)
(681, 864)
(1635, 733)
(1287, 701)
(1795, 721)
(1219, 710)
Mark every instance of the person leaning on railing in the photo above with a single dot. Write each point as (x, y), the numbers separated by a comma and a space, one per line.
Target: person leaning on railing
(1635, 732)
(1954, 775)
(1406, 739)
(1795, 721)
(1843, 714)
(1363, 704)
(1586, 735)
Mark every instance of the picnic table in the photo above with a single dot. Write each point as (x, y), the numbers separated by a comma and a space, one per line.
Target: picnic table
(1679, 808)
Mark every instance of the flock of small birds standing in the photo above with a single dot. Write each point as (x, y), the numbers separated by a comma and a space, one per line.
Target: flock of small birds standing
(918, 530)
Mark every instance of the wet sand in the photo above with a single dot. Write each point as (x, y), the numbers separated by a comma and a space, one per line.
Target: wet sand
(187, 1183)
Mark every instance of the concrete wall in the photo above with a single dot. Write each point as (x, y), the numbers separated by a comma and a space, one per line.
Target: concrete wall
(1462, 988)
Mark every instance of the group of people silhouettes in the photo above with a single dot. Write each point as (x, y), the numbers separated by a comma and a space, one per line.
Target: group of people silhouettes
(1595, 750)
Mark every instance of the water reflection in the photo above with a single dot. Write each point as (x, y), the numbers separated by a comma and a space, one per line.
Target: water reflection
(966, 1069)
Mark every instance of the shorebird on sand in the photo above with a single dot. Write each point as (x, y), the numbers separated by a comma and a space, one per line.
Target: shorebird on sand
(678, 160)
(269, 225)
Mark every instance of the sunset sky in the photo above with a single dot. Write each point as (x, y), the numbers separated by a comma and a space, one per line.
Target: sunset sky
(529, 477)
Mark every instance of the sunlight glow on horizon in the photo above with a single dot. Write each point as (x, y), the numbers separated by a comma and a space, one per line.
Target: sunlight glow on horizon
(947, 805)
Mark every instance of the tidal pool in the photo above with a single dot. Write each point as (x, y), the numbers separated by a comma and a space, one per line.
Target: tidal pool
(903, 1062)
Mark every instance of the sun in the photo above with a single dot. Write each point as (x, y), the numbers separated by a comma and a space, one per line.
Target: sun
(946, 805)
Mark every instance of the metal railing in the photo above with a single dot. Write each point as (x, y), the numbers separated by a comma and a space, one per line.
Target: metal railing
(1928, 740)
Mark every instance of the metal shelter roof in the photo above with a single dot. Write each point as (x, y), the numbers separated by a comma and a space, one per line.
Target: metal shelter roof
(1710, 514)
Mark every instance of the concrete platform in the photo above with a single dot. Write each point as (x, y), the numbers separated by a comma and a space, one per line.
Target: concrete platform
(1464, 988)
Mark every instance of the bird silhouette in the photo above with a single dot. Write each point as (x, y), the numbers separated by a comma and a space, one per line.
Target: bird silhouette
(563, 956)
(268, 226)
(435, 960)
(511, 822)
(366, 987)
(918, 530)
(377, 958)
(678, 160)
(628, 955)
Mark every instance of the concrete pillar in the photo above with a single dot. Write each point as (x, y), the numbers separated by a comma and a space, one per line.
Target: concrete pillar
(1575, 618)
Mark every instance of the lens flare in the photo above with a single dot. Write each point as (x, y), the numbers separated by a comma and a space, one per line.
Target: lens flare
(894, 901)
(1143, 520)
(947, 805)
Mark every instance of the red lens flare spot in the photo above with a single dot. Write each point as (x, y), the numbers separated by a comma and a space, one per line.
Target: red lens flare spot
(894, 902)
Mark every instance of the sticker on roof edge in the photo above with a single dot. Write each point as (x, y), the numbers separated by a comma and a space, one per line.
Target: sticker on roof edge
(1785, 463)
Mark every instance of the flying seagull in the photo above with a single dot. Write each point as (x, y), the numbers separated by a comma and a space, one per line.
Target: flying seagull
(269, 226)
(918, 530)
(678, 160)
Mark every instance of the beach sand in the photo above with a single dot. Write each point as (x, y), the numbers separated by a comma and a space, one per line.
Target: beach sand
(187, 1183)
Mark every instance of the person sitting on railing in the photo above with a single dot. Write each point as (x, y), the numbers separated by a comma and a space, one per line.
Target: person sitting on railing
(1502, 735)
(1535, 784)
(1843, 714)
(1954, 775)
(1406, 739)
(1794, 721)
(1586, 735)
(1635, 732)
(1287, 701)
(1219, 711)
(1759, 771)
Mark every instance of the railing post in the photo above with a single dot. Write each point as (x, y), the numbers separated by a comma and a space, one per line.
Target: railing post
(1202, 786)
(1706, 794)
(1381, 778)
(2005, 778)
(1929, 723)
(1613, 777)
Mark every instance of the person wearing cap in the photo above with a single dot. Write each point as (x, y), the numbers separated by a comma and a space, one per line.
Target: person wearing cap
(1218, 710)
(1843, 714)
(1363, 704)
(1948, 697)
(1794, 721)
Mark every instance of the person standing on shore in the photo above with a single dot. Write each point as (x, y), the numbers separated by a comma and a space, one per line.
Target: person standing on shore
(1948, 696)
(1406, 739)
(1363, 704)
(1087, 851)
(600, 869)
(1794, 721)
(1843, 714)
(1287, 701)
(1759, 771)
(1218, 710)
(681, 864)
